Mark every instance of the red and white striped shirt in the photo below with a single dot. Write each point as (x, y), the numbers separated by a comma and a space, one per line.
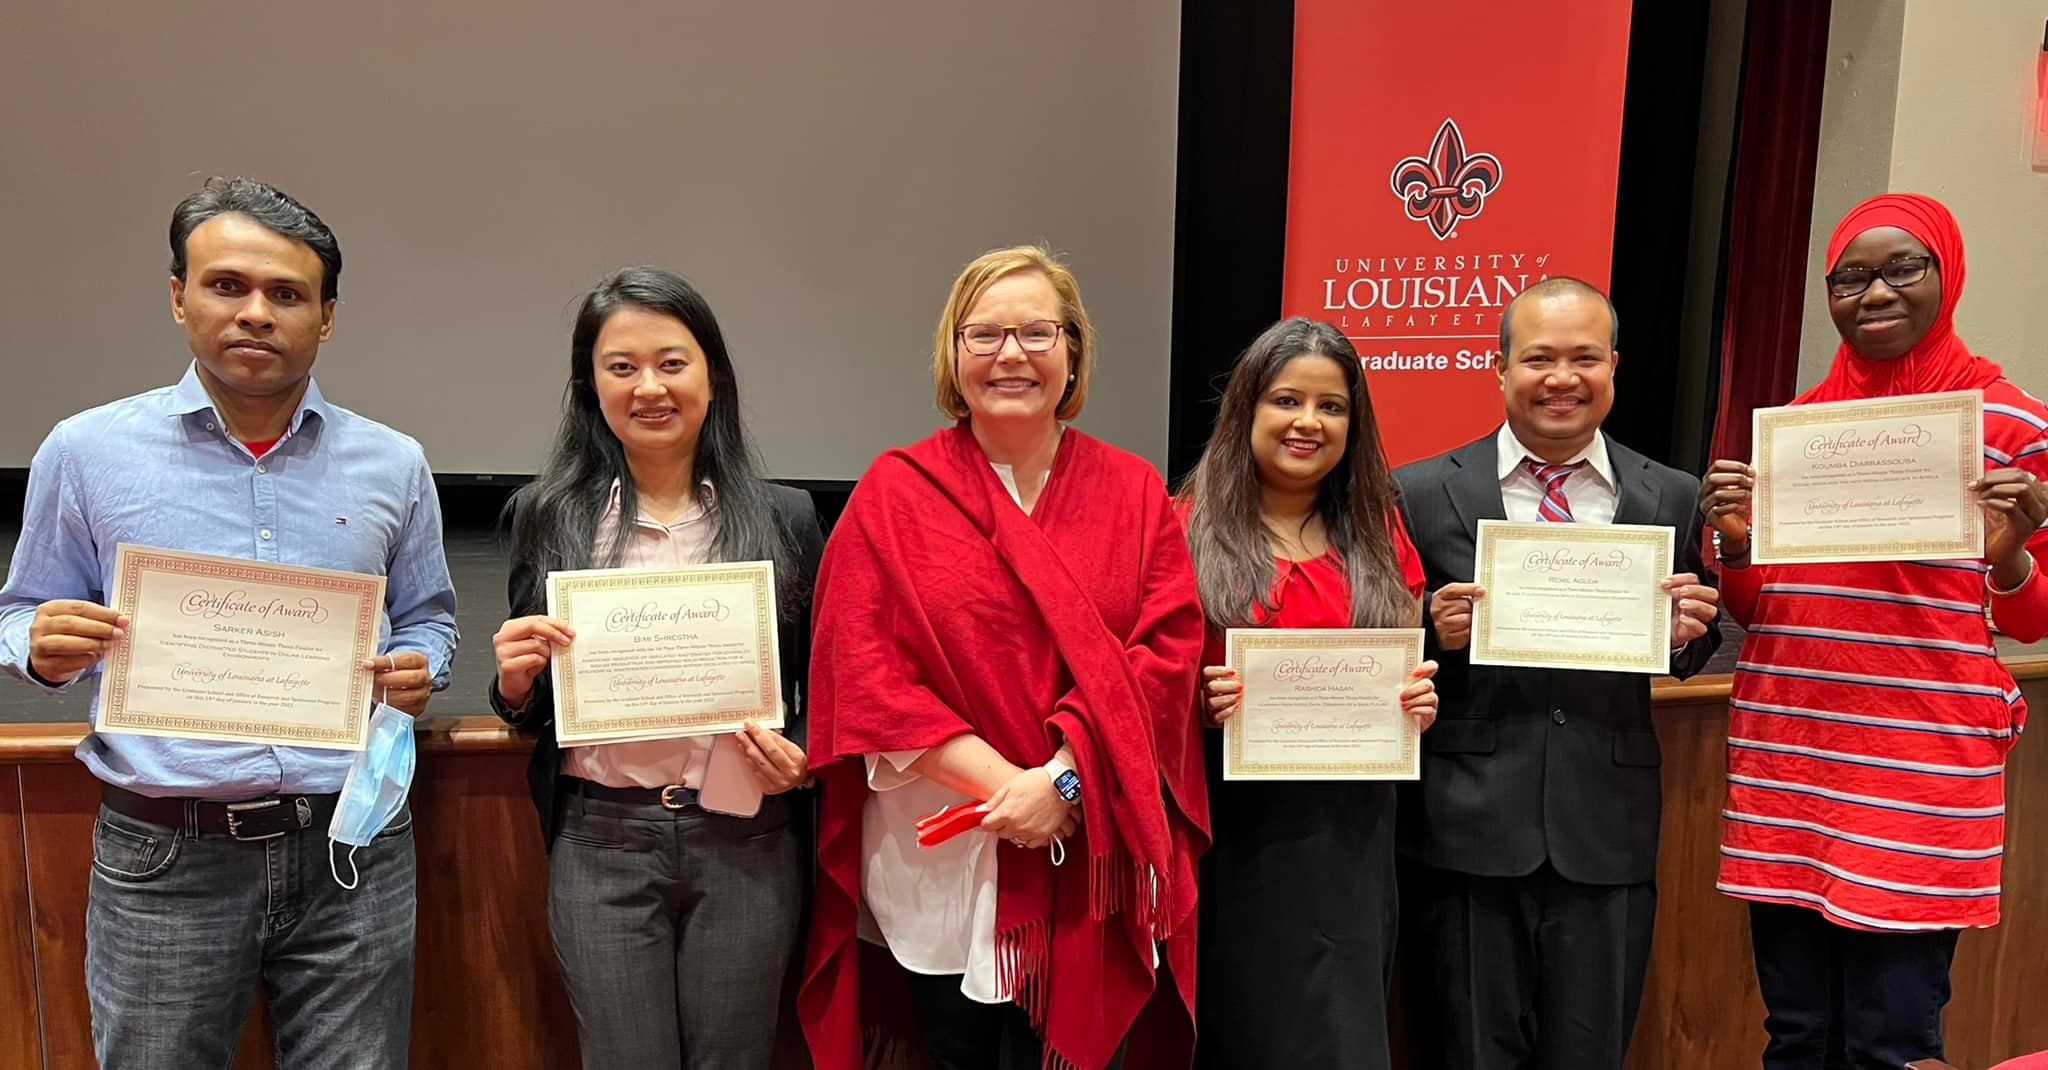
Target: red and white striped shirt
(1870, 719)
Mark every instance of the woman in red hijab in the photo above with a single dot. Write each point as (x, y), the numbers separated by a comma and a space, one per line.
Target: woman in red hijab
(1006, 615)
(1870, 715)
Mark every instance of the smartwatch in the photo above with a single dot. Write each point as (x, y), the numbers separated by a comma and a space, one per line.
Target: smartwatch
(1064, 780)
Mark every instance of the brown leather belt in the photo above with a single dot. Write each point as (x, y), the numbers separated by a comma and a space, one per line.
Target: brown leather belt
(672, 797)
(256, 819)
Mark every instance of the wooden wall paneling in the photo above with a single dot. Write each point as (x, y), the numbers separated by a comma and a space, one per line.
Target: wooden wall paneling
(21, 1041)
(258, 1048)
(1700, 1003)
(486, 991)
(2000, 972)
(59, 803)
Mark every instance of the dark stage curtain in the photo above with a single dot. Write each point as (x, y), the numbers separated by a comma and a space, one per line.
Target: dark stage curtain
(1770, 214)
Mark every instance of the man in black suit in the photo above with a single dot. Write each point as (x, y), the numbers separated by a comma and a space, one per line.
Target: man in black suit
(1530, 844)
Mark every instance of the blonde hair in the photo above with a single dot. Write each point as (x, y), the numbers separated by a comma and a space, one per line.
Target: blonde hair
(974, 280)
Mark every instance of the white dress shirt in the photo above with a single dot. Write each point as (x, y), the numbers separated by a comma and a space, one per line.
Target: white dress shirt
(1591, 491)
(935, 910)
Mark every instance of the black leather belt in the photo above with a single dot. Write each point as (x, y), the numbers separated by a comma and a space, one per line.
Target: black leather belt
(256, 819)
(672, 797)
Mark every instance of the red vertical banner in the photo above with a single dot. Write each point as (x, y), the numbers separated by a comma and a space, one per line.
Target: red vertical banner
(1443, 159)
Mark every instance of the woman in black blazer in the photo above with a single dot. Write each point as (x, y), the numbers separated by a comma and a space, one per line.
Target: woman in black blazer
(675, 866)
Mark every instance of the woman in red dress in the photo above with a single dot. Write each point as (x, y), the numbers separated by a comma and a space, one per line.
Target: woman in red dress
(1292, 523)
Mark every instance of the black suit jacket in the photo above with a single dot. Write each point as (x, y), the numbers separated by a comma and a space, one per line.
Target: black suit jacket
(798, 519)
(1525, 766)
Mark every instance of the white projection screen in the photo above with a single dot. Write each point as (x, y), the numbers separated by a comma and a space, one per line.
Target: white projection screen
(820, 170)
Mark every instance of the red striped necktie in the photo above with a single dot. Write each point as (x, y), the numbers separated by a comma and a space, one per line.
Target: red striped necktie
(1554, 507)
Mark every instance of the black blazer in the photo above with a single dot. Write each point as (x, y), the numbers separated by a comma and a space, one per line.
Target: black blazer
(798, 519)
(1525, 766)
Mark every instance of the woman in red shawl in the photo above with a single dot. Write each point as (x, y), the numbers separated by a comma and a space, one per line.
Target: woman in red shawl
(1006, 614)
(1870, 716)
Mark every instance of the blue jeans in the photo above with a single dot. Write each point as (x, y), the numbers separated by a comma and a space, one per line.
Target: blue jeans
(181, 927)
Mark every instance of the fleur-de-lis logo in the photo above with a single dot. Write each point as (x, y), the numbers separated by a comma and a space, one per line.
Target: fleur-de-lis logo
(1449, 184)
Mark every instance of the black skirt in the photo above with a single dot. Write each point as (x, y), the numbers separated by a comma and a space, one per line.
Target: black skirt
(1298, 920)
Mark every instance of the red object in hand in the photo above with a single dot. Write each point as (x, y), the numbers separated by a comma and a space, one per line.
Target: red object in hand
(2041, 105)
(935, 829)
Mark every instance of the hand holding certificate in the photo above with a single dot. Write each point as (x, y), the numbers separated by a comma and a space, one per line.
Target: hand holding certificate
(662, 653)
(221, 648)
(1886, 479)
(1322, 704)
(1573, 596)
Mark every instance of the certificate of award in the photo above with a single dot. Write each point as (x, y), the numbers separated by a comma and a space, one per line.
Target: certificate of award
(1322, 704)
(661, 653)
(1880, 480)
(1573, 596)
(221, 648)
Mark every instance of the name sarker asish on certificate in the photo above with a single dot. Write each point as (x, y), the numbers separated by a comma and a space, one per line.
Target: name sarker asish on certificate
(1322, 704)
(662, 653)
(1573, 596)
(244, 651)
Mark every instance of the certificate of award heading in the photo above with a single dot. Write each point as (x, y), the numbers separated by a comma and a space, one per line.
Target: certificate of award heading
(222, 648)
(1573, 596)
(661, 653)
(1880, 480)
(1322, 704)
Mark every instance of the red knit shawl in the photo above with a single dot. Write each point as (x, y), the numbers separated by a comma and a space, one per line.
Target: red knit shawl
(943, 608)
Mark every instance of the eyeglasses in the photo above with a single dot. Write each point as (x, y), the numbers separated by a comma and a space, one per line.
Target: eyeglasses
(986, 339)
(1897, 274)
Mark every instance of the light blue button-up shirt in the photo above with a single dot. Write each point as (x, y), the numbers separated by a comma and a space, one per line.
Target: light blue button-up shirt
(338, 491)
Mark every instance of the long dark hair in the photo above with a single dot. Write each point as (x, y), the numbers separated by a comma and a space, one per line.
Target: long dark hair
(1229, 541)
(554, 518)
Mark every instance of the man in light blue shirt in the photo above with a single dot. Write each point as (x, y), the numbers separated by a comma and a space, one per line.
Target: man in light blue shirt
(196, 902)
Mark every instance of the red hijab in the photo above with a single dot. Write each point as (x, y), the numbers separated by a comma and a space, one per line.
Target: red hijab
(1939, 361)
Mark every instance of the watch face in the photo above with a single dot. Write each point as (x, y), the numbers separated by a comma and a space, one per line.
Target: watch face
(1068, 785)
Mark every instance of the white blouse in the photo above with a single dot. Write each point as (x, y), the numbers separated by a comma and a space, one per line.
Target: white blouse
(935, 910)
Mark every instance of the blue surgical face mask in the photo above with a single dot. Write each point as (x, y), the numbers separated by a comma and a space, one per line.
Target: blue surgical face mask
(376, 787)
